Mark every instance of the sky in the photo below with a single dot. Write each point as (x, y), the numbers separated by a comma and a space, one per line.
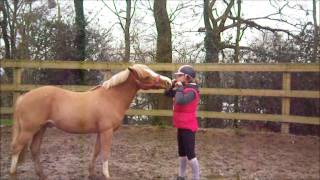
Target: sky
(250, 8)
(184, 20)
(187, 21)
(190, 18)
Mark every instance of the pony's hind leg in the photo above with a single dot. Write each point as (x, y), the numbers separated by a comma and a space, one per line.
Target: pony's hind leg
(17, 147)
(35, 151)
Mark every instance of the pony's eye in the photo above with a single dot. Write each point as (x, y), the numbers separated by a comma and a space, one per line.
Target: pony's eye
(147, 78)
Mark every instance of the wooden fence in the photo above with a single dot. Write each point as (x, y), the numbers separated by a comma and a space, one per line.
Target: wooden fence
(285, 93)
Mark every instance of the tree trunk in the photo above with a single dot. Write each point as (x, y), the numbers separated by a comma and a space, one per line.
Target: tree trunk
(127, 32)
(80, 40)
(13, 30)
(237, 49)
(51, 4)
(164, 47)
(211, 45)
(236, 60)
(316, 33)
(23, 46)
(4, 26)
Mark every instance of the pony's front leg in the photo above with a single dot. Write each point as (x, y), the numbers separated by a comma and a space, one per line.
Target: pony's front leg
(106, 138)
(96, 152)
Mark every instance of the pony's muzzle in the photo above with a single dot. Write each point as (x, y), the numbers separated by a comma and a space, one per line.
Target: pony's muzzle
(168, 84)
(165, 82)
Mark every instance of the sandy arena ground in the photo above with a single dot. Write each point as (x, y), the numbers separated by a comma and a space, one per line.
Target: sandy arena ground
(146, 152)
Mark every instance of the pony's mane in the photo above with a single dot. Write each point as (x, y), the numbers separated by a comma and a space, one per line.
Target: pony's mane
(116, 79)
(123, 75)
(141, 69)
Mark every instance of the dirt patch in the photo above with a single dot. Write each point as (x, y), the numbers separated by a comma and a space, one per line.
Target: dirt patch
(145, 152)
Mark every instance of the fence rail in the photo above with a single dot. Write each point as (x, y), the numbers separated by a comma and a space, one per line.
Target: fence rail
(203, 67)
(285, 93)
(203, 91)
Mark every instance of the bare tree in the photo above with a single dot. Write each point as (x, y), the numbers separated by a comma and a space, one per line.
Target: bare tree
(238, 36)
(164, 45)
(125, 26)
(237, 57)
(51, 4)
(127, 31)
(316, 33)
(214, 26)
(12, 13)
(80, 23)
(4, 27)
(9, 25)
(218, 22)
(213, 45)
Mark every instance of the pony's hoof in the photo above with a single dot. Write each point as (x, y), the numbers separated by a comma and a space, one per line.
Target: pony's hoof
(42, 177)
(91, 172)
(106, 177)
(91, 177)
(13, 173)
(13, 176)
(96, 177)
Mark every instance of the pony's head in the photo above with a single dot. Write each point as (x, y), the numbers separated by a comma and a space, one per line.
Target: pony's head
(148, 79)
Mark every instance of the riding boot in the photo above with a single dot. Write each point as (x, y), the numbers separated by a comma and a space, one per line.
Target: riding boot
(181, 178)
(195, 169)
(182, 166)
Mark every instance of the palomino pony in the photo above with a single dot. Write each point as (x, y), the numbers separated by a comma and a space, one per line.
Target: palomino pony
(99, 110)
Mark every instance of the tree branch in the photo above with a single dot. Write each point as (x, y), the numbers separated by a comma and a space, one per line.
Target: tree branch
(177, 11)
(225, 15)
(134, 8)
(260, 27)
(210, 15)
(115, 12)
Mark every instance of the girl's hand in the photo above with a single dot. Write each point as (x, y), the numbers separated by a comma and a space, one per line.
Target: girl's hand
(174, 81)
(179, 83)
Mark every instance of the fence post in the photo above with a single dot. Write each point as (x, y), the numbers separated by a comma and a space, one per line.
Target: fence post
(16, 82)
(285, 101)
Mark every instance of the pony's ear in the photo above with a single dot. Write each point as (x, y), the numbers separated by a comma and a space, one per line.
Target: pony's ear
(133, 71)
(130, 68)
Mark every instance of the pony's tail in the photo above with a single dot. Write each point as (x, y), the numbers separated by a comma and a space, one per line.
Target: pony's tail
(16, 128)
(16, 123)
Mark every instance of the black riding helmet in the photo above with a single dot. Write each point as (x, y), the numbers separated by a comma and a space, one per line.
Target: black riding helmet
(186, 69)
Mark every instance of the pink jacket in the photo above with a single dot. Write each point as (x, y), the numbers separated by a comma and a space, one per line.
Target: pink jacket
(185, 116)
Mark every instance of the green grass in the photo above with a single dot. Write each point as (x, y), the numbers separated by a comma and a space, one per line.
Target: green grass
(6, 122)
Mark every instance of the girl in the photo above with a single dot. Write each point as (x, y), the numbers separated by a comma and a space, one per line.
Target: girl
(185, 95)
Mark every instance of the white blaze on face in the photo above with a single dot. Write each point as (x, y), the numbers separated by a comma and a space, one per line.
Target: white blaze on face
(166, 79)
(105, 169)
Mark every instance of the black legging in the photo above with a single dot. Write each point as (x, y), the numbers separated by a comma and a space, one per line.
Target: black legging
(186, 143)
